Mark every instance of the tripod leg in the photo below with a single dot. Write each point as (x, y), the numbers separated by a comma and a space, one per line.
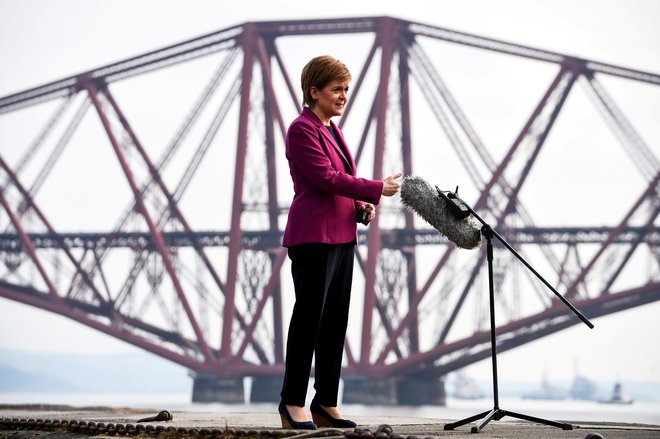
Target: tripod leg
(465, 421)
(493, 414)
(562, 425)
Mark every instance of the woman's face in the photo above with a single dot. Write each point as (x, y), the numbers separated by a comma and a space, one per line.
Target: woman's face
(330, 100)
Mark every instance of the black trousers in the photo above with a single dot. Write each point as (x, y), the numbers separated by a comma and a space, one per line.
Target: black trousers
(322, 277)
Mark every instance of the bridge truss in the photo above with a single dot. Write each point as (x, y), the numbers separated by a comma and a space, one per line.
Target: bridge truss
(190, 139)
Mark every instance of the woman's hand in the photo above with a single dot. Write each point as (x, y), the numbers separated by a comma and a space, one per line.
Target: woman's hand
(390, 185)
(369, 213)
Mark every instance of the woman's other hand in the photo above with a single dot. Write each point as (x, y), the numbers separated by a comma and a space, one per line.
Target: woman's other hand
(367, 213)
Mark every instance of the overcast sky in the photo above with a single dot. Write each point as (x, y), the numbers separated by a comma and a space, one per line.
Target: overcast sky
(44, 40)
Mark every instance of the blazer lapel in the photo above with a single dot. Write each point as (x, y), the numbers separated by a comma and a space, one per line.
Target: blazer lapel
(346, 153)
(342, 150)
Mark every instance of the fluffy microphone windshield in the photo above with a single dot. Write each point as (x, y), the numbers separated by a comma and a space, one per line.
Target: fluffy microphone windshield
(418, 196)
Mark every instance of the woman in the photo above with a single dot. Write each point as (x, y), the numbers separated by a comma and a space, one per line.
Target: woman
(321, 235)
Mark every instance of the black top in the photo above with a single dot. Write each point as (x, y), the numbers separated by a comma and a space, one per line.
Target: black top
(334, 134)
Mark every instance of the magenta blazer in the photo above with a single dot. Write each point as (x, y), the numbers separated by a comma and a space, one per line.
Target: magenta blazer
(326, 191)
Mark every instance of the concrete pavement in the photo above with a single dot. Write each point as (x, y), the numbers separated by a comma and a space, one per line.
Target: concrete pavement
(22, 421)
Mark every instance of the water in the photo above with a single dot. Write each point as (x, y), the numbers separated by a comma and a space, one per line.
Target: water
(565, 410)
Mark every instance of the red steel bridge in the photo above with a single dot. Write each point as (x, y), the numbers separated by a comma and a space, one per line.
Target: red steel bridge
(146, 198)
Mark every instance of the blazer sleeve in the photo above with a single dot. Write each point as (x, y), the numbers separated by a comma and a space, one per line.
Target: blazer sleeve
(304, 149)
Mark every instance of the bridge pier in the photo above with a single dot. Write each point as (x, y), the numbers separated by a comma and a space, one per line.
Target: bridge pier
(421, 391)
(365, 390)
(211, 388)
(406, 391)
(266, 389)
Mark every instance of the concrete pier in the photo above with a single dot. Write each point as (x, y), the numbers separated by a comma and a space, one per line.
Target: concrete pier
(422, 391)
(357, 390)
(363, 390)
(265, 389)
(210, 388)
(409, 391)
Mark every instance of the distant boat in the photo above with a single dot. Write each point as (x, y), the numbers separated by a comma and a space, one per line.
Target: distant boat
(618, 396)
(466, 388)
(546, 391)
(582, 389)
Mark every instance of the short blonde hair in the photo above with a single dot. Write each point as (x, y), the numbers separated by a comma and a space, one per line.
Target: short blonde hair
(319, 72)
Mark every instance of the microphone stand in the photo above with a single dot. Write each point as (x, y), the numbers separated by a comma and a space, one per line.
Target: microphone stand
(497, 413)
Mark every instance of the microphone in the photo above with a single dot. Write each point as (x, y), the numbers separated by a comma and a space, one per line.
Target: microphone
(445, 212)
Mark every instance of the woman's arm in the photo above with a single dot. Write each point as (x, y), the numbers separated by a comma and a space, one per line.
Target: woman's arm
(304, 149)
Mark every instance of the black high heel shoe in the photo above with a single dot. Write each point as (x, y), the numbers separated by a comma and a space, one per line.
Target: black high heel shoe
(323, 418)
(288, 422)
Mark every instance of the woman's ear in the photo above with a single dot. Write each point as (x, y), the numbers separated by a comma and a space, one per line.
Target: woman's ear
(314, 93)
